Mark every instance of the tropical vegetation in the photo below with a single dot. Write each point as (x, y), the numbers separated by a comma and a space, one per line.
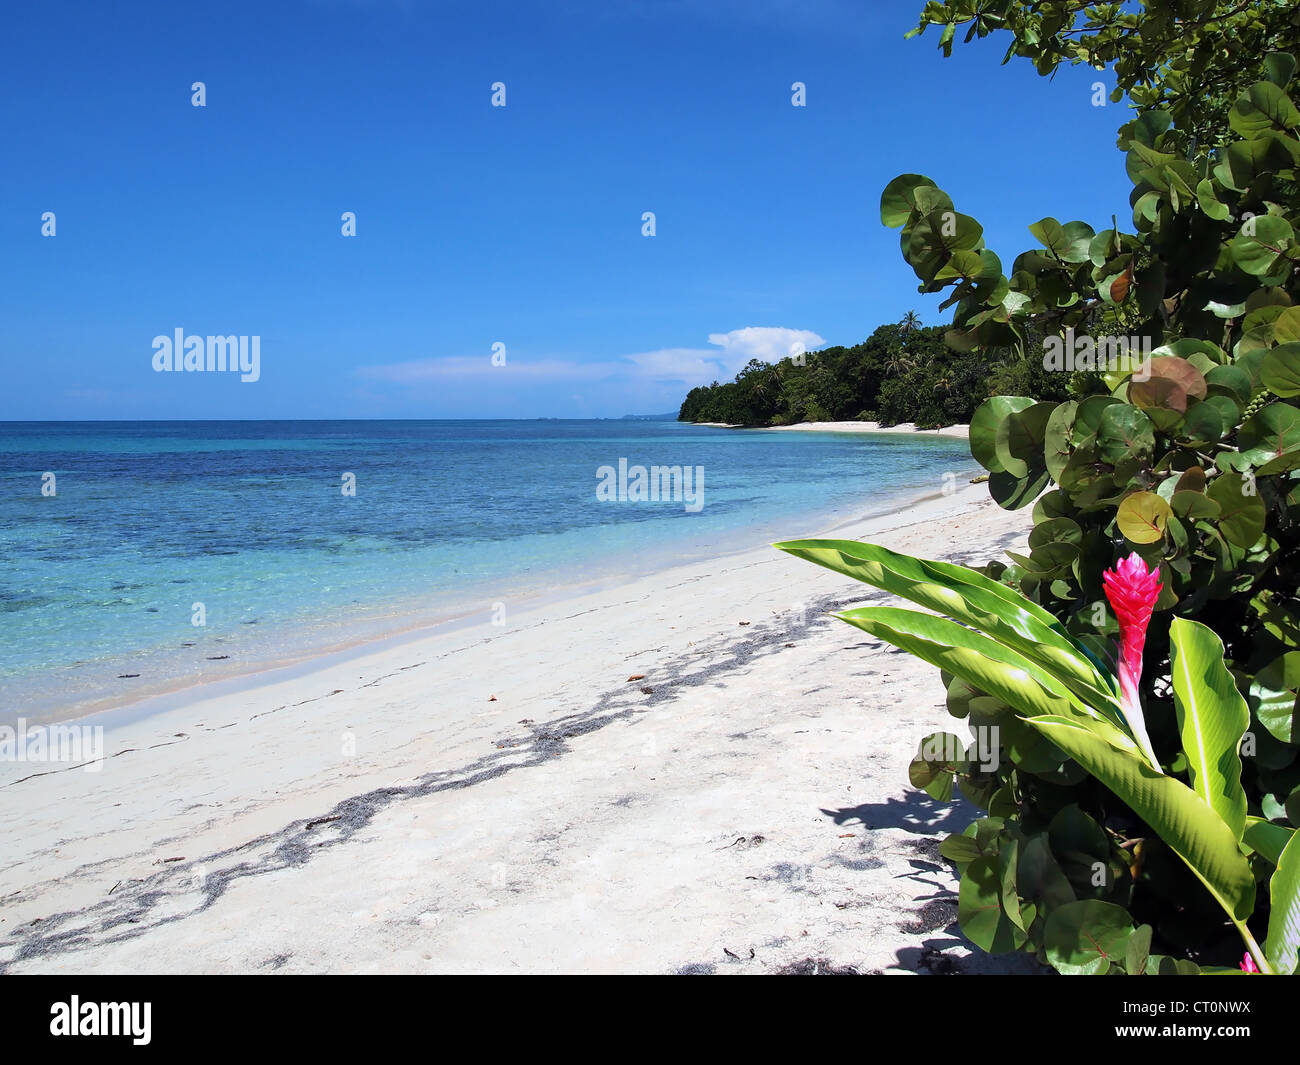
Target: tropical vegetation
(1142, 813)
(901, 373)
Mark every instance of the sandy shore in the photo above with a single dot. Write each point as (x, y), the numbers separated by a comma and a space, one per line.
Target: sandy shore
(960, 431)
(507, 799)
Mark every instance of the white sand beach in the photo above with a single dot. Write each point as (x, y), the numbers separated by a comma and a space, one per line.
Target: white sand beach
(509, 799)
(961, 432)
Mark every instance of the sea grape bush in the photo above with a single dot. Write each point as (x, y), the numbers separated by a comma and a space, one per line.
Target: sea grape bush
(1190, 465)
(1193, 468)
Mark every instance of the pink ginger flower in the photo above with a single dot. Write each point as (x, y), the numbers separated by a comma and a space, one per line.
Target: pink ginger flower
(1133, 590)
(1248, 964)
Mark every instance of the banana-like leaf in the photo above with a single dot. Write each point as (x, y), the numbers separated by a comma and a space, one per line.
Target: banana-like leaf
(1212, 717)
(1283, 944)
(1180, 817)
(1000, 671)
(899, 620)
(1266, 839)
(855, 552)
(974, 600)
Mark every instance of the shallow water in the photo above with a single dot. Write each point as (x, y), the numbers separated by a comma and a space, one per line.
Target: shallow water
(151, 519)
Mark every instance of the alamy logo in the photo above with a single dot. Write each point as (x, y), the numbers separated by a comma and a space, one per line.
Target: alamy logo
(944, 747)
(1070, 353)
(194, 354)
(103, 1018)
(637, 484)
(53, 743)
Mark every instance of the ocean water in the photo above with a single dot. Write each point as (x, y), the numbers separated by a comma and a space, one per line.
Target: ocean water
(101, 582)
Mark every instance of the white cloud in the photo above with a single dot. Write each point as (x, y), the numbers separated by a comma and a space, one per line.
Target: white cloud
(766, 342)
(674, 364)
(686, 366)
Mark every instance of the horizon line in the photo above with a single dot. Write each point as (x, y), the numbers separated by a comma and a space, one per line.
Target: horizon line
(178, 421)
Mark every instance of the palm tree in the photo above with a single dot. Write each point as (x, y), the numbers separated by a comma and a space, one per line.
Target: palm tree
(898, 362)
(767, 384)
(910, 321)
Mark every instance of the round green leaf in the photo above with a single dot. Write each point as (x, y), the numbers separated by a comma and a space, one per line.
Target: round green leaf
(929, 242)
(1284, 463)
(1229, 410)
(1230, 381)
(899, 198)
(985, 425)
(1261, 316)
(1056, 530)
(1210, 203)
(1192, 350)
(1019, 439)
(960, 849)
(1279, 68)
(1054, 504)
(1203, 424)
(1069, 242)
(1086, 938)
(932, 770)
(1280, 370)
(1264, 106)
(960, 697)
(1246, 161)
(1270, 433)
(1194, 506)
(1242, 519)
(1087, 420)
(1287, 326)
(1263, 246)
(1056, 438)
(1124, 434)
(1052, 559)
(980, 908)
(1012, 493)
(1142, 517)
(1273, 697)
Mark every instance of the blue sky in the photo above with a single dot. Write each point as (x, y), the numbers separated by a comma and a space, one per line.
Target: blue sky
(479, 225)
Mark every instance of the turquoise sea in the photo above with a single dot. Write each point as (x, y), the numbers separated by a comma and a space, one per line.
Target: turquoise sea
(100, 580)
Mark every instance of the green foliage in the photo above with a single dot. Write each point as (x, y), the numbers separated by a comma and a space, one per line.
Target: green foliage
(902, 373)
(1040, 873)
(1189, 459)
(1283, 941)
(1192, 58)
(1212, 718)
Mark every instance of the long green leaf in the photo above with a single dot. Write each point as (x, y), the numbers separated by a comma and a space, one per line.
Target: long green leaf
(901, 621)
(951, 649)
(1013, 685)
(1283, 943)
(920, 569)
(1212, 717)
(1266, 838)
(1180, 817)
(974, 600)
